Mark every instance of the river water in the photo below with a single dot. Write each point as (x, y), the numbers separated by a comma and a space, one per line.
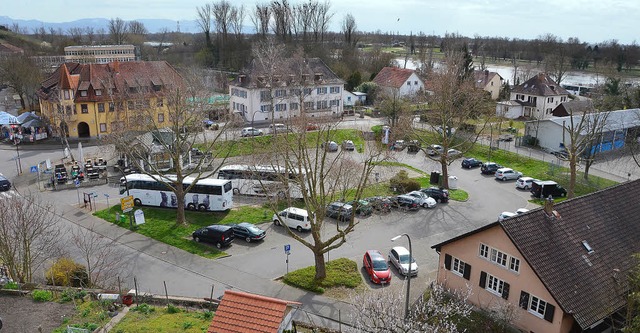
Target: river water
(571, 78)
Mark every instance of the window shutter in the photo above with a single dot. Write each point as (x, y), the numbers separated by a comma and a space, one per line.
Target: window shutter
(524, 300)
(548, 312)
(447, 262)
(467, 271)
(483, 279)
(505, 291)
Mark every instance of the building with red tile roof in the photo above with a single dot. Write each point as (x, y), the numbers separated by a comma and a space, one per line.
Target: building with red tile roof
(241, 312)
(490, 82)
(89, 100)
(400, 81)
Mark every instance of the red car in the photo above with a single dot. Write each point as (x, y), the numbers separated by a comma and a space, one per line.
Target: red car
(376, 266)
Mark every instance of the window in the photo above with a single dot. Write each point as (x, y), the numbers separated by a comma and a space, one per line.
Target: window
(335, 102)
(484, 251)
(457, 266)
(281, 107)
(159, 102)
(100, 107)
(295, 91)
(161, 117)
(308, 105)
(408, 83)
(281, 93)
(103, 127)
(98, 92)
(307, 91)
(265, 108)
(321, 90)
(415, 83)
(334, 90)
(547, 111)
(537, 306)
(499, 257)
(514, 264)
(550, 100)
(84, 108)
(321, 105)
(294, 106)
(265, 96)
(112, 107)
(494, 285)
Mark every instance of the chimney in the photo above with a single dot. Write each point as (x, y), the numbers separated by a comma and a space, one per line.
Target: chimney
(548, 206)
(241, 78)
(486, 74)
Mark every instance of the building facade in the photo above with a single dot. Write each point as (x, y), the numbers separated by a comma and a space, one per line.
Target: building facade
(100, 54)
(536, 98)
(299, 88)
(561, 268)
(399, 82)
(490, 82)
(90, 100)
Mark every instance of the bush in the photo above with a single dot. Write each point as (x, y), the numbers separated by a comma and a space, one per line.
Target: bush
(42, 295)
(11, 285)
(172, 309)
(401, 182)
(67, 273)
(71, 294)
(144, 309)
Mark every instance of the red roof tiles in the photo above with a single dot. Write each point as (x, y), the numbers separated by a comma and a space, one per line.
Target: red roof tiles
(241, 312)
(393, 77)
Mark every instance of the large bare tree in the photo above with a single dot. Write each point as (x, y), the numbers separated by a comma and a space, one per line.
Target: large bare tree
(23, 76)
(203, 19)
(260, 17)
(118, 30)
(29, 235)
(349, 30)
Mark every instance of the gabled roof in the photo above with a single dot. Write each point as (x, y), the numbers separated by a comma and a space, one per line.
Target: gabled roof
(482, 78)
(241, 312)
(587, 285)
(540, 85)
(8, 48)
(574, 107)
(392, 77)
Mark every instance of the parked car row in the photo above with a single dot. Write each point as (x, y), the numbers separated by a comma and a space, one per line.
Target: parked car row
(379, 270)
(223, 235)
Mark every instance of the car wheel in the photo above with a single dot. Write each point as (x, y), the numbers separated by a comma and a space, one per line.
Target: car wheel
(137, 202)
(202, 208)
(526, 187)
(191, 206)
(248, 239)
(504, 179)
(218, 245)
(299, 228)
(425, 205)
(197, 239)
(276, 222)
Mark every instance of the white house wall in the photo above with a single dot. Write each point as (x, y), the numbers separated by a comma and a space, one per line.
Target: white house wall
(409, 87)
(549, 134)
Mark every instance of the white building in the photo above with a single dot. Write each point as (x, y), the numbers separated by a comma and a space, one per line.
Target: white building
(536, 98)
(100, 54)
(354, 98)
(295, 88)
(400, 81)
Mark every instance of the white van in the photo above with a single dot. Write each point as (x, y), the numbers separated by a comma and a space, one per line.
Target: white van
(277, 128)
(293, 217)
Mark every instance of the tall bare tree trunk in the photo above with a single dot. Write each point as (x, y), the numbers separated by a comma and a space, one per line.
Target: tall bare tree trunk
(321, 271)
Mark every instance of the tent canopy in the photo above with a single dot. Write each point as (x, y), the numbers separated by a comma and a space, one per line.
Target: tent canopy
(8, 119)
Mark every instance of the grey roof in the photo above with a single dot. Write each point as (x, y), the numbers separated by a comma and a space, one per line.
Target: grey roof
(575, 107)
(615, 120)
(287, 72)
(540, 85)
(587, 285)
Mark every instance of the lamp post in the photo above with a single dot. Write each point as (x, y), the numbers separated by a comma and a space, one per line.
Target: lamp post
(406, 304)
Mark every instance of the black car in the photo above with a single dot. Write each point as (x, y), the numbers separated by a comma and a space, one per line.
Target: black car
(220, 235)
(5, 184)
(405, 202)
(439, 194)
(414, 146)
(340, 211)
(247, 231)
(489, 168)
(60, 173)
(471, 163)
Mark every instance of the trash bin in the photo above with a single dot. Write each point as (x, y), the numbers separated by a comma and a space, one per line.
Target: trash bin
(123, 218)
(117, 217)
(453, 182)
(435, 177)
(127, 300)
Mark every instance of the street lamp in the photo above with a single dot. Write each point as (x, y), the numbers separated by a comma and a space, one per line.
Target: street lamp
(406, 304)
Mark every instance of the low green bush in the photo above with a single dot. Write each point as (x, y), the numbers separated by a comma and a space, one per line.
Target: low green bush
(143, 308)
(66, 272)
(172, 309)
(401, 182)
(11, 286)
(42, 295)
(341, 272)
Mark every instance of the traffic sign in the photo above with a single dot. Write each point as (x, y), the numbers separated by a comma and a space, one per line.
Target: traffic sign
(33, 169)
(126, 203)
(287, 248)
(77, 182)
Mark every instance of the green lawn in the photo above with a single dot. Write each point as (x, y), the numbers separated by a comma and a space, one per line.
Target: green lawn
(160, 225)
(145, 318)
(89, 315)
(341, 272)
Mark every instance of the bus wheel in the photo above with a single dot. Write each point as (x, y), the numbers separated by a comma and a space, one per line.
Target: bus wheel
(137, 202)
(281, 195)
(236, 191)
(276, 222)
(202, 208)
(191, 206)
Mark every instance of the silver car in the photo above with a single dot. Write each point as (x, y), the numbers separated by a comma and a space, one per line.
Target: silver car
(424, 199)
(250, 131)
(507, 174)
(399, 257)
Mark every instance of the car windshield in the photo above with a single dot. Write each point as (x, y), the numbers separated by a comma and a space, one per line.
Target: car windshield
(404, 259)
(380, 264)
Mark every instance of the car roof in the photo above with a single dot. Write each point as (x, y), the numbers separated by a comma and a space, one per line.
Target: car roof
(504, 169)
(400, 250)
(219, 227)
(508, 214)
(376, 255)
(296, 210)
(526, 179)
(340, 204)
(245, 224)
(3, 177)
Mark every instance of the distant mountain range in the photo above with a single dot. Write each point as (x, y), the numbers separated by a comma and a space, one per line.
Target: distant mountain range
(152, 25)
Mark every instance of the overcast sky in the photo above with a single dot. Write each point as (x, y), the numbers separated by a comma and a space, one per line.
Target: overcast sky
(589, 20)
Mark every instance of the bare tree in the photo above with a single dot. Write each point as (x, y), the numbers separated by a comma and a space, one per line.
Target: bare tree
(118, 30)
(260, 18)
(22, 75)
(320, 21)
(455, 99)
(169, 136)
(282, 19)
(236, 19)
(76, 34)
(136, 28)
(103, 259)
(349, 28)
(303, 18)
(205, 13)
(383, 311)
(29, 235)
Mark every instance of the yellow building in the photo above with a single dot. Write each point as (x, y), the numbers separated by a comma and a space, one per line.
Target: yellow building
(91, 100)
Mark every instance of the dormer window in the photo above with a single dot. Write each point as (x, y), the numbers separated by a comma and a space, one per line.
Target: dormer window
(83, 93)
(157, 87)
(587, 247)
(98, 92)
(305, 77)
(318, 76)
